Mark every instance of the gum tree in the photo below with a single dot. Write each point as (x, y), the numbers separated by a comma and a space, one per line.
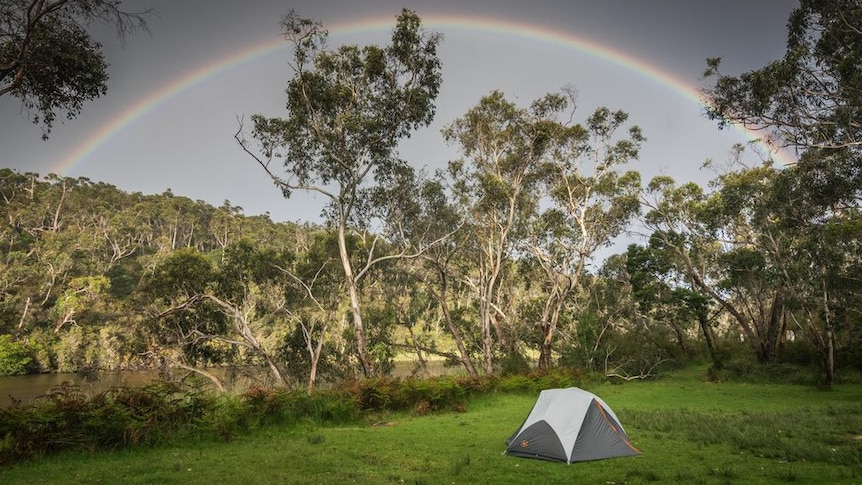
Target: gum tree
(49, 61)
(590, 202)
(496, 184)
(810, 100)
(347, 110)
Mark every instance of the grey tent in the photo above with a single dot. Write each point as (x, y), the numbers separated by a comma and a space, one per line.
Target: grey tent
(570, 425)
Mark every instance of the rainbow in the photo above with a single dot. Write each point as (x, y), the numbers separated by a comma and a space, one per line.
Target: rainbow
(462, 23)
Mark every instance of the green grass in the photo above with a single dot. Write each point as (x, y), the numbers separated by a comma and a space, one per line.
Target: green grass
(689, 431)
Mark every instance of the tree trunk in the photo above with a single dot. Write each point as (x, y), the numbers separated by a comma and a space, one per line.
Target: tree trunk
(771, 342)
(315, 359)
(549, 330)
(252, 341)
(423, 364)
(709, 337)
(680, 336)
(487, 349)
(829, 357)
(209, 375)
(358, 329)
(545, 348)
(465, 359)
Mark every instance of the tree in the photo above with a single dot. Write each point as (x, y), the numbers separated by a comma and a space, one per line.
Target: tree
(445, 265)
(717, 241)
(212, 312)
(82, 292)
(665, 296)
(813, 96)
(347, 110)
(496, 183)
(590, 202)
(811, 100)
(315, 303)
(49, 61)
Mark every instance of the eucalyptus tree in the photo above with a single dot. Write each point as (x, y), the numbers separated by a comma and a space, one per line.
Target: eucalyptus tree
(719, 259)
(16, 273)
(444, 266)
(815, 249)
(497, 183)
(208, 313)
(731, 246)
(179, 336)
(315, 304)
(347, 110)
(810, 100)
(49, 61)
(589, 202)
(666, 296)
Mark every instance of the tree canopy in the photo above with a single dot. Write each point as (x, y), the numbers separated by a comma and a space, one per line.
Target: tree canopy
(48, 59)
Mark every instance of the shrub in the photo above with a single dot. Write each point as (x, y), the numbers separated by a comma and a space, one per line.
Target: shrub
(15, 358)
(750, 370)
(67, 420)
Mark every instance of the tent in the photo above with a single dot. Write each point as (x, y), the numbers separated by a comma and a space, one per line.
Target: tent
(570, 425)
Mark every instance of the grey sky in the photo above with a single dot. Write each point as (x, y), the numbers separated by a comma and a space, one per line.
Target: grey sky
(186, 143)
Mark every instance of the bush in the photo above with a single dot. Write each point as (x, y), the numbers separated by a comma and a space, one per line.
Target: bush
(748, 369)
(118, 418)
(421, 395)
(15, 358)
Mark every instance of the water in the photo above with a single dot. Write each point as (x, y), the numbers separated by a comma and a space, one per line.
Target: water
(29, 388)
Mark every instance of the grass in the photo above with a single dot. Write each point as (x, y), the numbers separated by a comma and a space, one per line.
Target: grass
(689, 431)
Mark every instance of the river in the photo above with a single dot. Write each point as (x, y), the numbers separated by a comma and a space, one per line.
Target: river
(29, 388)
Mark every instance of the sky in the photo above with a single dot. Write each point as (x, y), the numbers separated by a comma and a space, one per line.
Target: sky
(176, 94)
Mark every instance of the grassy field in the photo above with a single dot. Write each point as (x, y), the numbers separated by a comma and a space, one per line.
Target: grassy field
(689, 431)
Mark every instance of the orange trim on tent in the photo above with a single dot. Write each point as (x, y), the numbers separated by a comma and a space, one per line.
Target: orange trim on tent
(621, 435)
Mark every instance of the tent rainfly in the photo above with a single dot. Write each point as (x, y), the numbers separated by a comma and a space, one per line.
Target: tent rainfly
(570, 425)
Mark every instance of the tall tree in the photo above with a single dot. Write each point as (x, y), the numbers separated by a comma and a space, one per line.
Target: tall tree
(590, 202)
(665, 296)
(347, 110)
(211, 312)
(445, 265)
(812, 97)
(497, 184)
(715, 241)
(811, 100)
(49, 61)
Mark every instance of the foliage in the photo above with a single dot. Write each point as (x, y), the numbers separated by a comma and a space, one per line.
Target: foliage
(80, 259)
(118, 418)
(452, 393)
(488, 264)
(347, 110)
(15, 357)
(810, 97)
(49, 61)
(809, 100)
(161, 413)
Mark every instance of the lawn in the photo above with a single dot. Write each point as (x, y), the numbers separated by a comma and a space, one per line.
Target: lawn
(689, 431)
